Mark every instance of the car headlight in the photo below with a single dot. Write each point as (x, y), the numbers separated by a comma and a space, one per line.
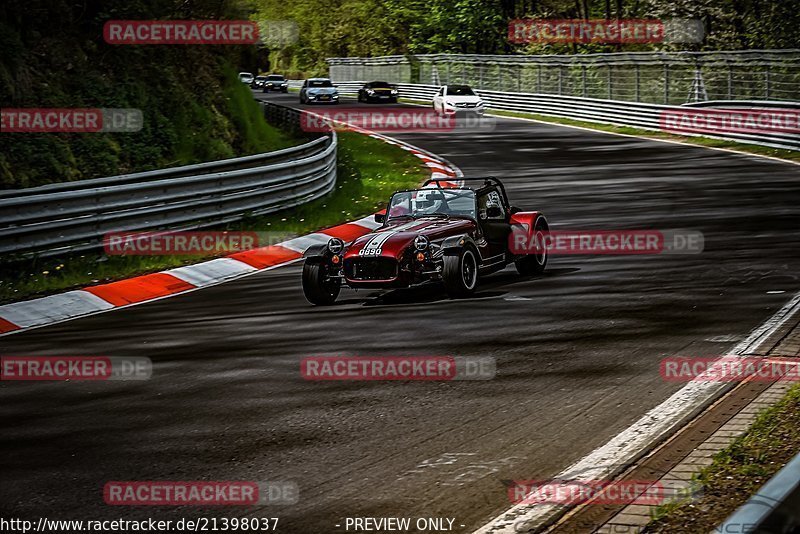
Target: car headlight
(449, 104)
(394, 91)
(370, 92)
(335, 245)
(421, 242)
(479, 104)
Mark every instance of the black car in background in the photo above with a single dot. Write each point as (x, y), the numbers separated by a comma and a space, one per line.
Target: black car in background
(378, 92)
(275, 82)
(258, 82)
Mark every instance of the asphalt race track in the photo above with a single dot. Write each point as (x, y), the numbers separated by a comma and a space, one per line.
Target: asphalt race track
(577, 350)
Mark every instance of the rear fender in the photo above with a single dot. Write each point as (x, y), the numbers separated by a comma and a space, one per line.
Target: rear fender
(523, 224)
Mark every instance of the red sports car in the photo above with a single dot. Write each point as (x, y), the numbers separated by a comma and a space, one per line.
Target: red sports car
(446, 234)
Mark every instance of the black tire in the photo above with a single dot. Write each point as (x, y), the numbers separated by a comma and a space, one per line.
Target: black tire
(317, 290)
(460, 273)
(534, 264)
(285, 90)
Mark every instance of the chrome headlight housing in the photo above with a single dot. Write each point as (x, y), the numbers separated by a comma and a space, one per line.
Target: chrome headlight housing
(421, 242)
(335, 245)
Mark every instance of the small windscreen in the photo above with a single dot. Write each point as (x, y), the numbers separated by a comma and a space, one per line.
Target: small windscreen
(432, 202)
(459, 90)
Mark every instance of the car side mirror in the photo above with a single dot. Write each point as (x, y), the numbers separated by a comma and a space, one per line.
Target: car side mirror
(494, 212)
(380, 218)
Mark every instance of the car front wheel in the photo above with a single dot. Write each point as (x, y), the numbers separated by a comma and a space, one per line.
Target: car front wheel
(317, 287)
(460, 273)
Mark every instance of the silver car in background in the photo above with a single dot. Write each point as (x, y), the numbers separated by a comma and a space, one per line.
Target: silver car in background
(319, 90)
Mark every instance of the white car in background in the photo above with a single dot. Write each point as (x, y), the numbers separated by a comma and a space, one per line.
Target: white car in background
(457, 99)
(246, 77)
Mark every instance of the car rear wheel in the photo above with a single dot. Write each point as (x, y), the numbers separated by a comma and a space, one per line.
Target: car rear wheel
(460, 273)
(535, 263)
(317, 287)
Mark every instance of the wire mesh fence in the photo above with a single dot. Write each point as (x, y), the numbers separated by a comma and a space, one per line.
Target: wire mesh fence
(654, 77)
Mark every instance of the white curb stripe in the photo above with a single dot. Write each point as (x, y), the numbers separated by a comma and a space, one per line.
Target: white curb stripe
(437, 166)
(367, 222)
(301, 244)
(211, 272)
(52, 308)
(604, 461)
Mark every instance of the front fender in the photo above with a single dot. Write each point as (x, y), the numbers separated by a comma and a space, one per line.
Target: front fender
(316, 254)
(454, 244)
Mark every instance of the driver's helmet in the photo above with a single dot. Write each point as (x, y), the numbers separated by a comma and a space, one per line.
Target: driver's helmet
(427, 201)
(493, 201)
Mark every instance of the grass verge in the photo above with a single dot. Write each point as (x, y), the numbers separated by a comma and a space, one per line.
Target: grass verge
(738, 471)
(368, 170)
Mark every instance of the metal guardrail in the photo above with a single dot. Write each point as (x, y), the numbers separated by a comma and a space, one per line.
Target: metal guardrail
(636, 114)
(775, 508)
(654, 77)
(74, 216)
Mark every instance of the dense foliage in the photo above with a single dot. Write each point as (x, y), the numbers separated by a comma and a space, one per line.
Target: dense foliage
(337, 28)
(52, 55)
